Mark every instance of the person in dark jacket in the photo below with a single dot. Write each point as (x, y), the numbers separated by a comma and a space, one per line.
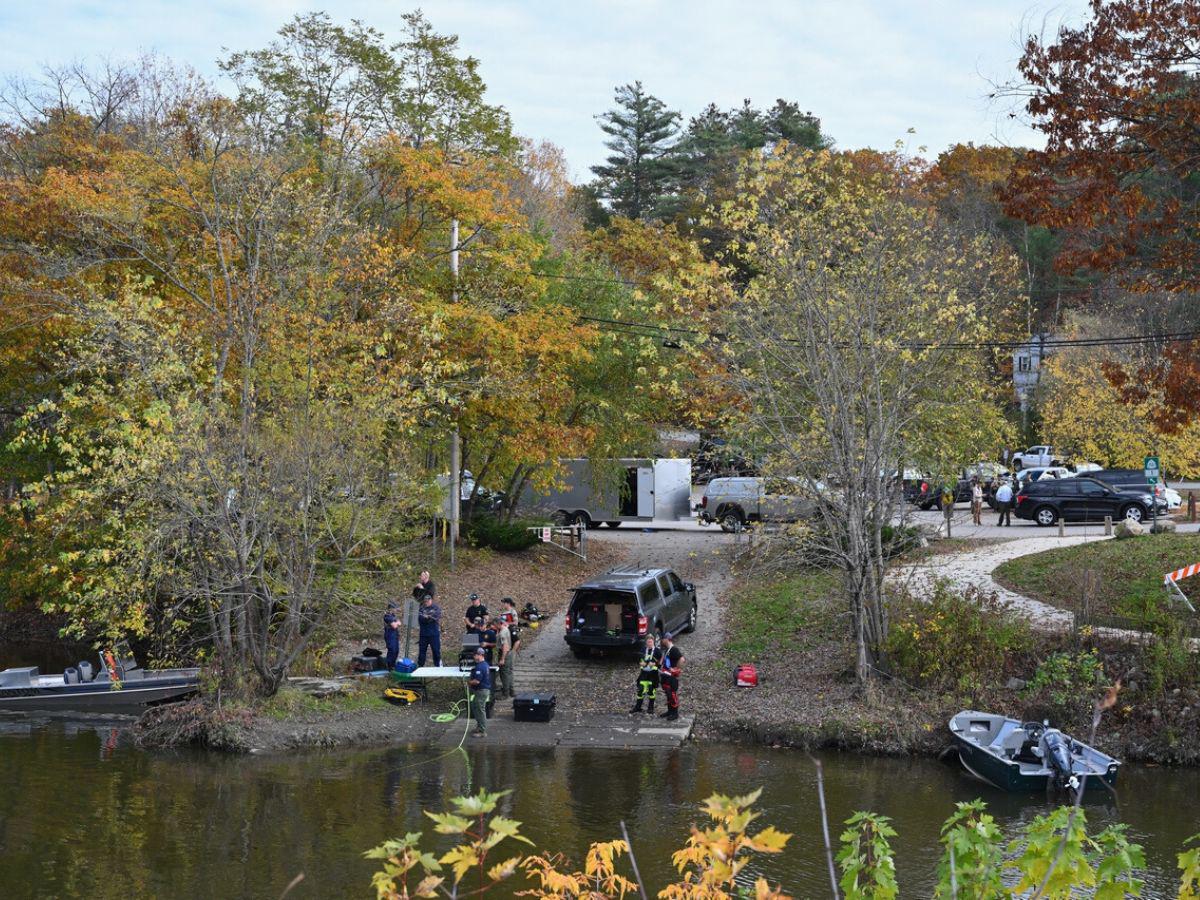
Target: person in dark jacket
(480, 682)
(429, 619)
(424, 586)
(672, 668)
(476, 611)
(391, 635)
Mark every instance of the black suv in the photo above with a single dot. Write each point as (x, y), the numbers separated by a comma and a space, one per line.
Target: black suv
(619, 608)
(1079, 500)
(1125, 480)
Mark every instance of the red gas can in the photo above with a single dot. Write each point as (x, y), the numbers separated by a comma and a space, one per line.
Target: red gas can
(745, 676)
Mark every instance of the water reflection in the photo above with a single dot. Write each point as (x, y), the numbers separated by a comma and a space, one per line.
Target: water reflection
(83, 813)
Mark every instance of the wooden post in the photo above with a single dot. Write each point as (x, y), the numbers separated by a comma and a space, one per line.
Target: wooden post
(1191, 506)
(1062, 528)
(1108, 526)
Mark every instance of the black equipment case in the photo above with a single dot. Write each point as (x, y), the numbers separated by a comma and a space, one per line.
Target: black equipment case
(534, 707)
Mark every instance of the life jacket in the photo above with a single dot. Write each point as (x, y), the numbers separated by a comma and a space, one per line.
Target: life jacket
(650, 660)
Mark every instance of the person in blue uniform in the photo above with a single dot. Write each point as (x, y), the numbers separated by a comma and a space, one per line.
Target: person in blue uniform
(647, 679)
(391, 635)
(480, 681)
(429, 619)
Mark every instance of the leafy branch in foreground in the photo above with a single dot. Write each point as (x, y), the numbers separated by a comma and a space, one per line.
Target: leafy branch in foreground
(1054, 857)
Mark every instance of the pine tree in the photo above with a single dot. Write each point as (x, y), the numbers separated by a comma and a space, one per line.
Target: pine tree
(637, 176)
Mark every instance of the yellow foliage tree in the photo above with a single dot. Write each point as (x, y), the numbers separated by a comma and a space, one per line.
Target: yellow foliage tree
(1085, 418)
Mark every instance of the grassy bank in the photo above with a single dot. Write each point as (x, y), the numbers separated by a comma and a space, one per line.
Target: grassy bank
(1127, 577)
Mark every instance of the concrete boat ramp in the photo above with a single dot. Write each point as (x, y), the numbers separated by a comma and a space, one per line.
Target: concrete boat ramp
(604, 732)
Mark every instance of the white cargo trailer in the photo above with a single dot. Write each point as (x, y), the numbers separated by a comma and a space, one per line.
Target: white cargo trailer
(613, 491)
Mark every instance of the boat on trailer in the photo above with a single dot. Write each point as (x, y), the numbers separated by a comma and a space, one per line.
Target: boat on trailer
(118, 684)
(1027, 756)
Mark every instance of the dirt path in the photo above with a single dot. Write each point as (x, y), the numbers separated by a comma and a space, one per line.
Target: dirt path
(975, 568)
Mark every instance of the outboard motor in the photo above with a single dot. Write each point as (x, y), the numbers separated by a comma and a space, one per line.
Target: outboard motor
(87, 672)
(71, 675)
(1057, 756)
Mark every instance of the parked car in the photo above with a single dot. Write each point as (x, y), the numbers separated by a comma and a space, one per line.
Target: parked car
(1083, 468)
(1079, 500)
(1037, 473)
(1038, 455)
(616, 610)
(930, 494)
(1128, 480)
(1173, 497)
(735, 501)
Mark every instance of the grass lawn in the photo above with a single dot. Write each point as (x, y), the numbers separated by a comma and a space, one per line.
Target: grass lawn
(1129, 574)
(795, 611)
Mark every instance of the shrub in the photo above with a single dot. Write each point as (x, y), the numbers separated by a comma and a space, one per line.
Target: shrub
(953, 639)
(505, 537)
(1066, 681)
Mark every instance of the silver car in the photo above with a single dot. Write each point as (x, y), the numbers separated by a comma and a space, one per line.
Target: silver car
(733, 502)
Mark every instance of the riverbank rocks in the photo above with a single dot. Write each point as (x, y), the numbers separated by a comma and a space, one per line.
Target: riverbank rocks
(1163, 526)
(1127, 529)
(1015, 684)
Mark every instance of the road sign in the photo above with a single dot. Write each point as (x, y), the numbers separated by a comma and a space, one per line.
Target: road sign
(1152, 470)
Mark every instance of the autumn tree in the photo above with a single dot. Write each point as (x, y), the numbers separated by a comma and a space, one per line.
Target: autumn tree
(1117, 99)
(839, 347)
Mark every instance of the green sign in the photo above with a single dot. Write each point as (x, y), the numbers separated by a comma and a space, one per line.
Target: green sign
(1152, 470)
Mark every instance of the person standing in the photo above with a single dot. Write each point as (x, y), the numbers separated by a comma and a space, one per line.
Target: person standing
(391, 635)
(504, 653)
(976, 501)
(429, 620)
(487, 639)
(508, 612)
(647, 679)
(474, 613)
(1004, 495)
(424, 586)
(671, 668)
(480, 682)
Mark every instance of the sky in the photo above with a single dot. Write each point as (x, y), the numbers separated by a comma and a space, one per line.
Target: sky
(871, 70)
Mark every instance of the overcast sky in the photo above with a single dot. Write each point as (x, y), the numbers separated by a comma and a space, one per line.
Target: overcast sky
(870, 69)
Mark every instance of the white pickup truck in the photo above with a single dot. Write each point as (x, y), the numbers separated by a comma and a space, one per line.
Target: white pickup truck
(1039, 455)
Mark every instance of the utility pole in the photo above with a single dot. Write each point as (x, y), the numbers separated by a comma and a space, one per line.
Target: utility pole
(455, 447)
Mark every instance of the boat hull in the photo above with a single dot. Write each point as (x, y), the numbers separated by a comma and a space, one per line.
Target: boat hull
(99, 696)
(1009, 777)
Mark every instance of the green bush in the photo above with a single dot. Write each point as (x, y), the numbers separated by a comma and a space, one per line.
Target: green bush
(506, 537)
(953, 639)
(1066, 682)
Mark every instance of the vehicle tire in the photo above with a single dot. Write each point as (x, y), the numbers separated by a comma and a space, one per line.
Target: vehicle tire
(582, 652)
(616, 524)
(693, 617)
(579, 517)
(1045, 516)
(732, 519)
(1134, 513)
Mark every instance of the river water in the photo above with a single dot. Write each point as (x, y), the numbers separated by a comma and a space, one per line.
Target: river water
(85, 814)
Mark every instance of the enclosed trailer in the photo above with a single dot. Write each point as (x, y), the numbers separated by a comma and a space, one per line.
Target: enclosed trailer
(613, 491)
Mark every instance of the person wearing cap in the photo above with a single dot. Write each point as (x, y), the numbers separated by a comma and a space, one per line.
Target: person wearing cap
(474, 613)
(647, 680)
(508, 612)
(391, 634)
(503, 652)
(480, 681)
(671, 668)
(429, 620)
